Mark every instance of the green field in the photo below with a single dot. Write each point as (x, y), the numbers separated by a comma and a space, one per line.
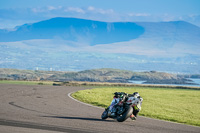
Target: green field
(177, 105)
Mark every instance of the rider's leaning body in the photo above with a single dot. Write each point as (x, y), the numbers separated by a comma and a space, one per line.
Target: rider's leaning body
(136, 99)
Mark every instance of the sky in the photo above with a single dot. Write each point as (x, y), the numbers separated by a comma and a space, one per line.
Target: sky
(17, 12)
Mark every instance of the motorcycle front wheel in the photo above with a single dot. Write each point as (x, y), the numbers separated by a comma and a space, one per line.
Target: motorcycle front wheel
(125, 115)
(104, 115)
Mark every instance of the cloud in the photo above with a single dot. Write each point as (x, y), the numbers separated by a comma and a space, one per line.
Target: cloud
(51, 8)
(92, 9)
(74, 9)
(61, 9)
(138, 14)
(167, 17)
(27, 15)
(13, 17)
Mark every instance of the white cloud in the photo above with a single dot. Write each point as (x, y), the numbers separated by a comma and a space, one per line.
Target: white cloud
(90, 8)
(138, 14)
(74, 9)
(39, 10)
(167, 17)
(27, 15)
(51, 8)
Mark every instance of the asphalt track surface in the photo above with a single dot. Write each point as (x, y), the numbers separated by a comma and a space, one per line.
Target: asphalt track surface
(49, 109)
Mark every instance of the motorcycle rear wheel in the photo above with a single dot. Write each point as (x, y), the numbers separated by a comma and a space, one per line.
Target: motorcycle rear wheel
(125, 115)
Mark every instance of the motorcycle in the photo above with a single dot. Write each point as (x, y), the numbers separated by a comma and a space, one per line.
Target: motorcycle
(121, 111)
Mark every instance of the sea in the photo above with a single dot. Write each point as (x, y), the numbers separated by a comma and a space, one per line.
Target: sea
(195, 81)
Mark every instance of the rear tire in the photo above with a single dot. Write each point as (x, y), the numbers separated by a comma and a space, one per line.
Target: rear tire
(125, 115)
(104, 115)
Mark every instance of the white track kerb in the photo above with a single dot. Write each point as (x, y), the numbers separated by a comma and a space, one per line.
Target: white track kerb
(69, 95)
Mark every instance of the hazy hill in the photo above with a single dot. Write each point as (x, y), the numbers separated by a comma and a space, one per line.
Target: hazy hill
(161, 39)
(176, 37)
(171, 31)
(78, 30)
(76, 44)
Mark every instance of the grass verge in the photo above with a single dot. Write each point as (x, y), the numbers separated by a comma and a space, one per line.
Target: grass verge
(177, 105)
(26, 82)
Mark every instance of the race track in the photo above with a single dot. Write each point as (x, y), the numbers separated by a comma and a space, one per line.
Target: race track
(49, 109)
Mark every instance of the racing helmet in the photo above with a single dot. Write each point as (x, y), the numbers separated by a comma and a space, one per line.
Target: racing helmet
(123, 96)
(136, 94)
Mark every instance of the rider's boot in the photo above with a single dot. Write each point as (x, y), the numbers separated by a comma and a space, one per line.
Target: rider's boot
(132, 117)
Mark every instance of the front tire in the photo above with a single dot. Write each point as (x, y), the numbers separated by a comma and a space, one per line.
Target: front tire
(104, 115)
(125, 115)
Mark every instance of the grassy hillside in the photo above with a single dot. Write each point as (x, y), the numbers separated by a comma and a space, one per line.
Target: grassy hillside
(94, 75)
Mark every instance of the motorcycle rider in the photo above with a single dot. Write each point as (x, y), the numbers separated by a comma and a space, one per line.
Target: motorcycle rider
(137, 100)
(119, 98)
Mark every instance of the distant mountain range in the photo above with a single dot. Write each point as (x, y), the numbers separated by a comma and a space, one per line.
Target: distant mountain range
(78, 44)
(77, 30)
